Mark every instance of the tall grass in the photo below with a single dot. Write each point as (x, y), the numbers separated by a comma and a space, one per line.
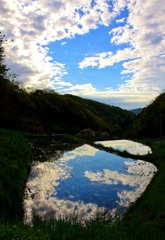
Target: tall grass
(63, 229)
(14, 165)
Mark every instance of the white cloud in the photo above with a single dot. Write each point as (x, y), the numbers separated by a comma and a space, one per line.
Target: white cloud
(63, 43)
(34, 24)
(121, 97)
(106, 59)
(144, 58)
(81, 89)
(121, 20)
(119, 5)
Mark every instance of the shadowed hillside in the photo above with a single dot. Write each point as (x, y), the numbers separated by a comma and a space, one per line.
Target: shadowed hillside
(150, 123)
(115, 117)
(43, 111)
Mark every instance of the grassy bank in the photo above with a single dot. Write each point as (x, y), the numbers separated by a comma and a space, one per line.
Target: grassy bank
(145, 220)
(14, 165)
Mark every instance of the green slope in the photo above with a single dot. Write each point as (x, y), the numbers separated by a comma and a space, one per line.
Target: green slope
(150, 123)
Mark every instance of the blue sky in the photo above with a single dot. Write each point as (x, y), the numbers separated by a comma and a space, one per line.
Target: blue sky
(72, 51)
(112, 51)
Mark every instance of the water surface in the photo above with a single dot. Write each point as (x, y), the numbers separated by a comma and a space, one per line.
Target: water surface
(85, 182)
(128, 145)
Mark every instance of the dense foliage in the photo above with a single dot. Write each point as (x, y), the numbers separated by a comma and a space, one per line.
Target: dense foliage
(115, 117)
(46, 111)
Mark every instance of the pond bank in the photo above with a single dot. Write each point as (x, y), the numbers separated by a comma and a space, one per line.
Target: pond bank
(15, 164)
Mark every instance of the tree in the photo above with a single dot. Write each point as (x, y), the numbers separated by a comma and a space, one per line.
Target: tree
(3, 69)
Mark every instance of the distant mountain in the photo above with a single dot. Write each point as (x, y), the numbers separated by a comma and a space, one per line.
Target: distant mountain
(136, 111)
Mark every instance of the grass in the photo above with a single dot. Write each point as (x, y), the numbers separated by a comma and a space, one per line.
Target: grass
(52, 229)
(14, 165)
(144, 220)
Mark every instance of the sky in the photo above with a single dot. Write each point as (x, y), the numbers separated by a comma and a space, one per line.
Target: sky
(111, 51)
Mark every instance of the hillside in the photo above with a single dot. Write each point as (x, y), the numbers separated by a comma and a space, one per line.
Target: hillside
(43, 111)
(114, 116)
(151, 122)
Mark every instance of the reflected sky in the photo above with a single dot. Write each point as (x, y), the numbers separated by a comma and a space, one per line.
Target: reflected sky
(83, 183)
(128, 145)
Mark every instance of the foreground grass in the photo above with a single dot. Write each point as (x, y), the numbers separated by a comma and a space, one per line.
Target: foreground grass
(52, 230)
(145, 220)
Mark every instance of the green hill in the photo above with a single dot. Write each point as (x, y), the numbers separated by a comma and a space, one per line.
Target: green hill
(43, 111)
(115, 117)
(150, 123)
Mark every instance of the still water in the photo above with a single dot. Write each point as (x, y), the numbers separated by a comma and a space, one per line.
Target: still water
(128, 145)
(85, 182)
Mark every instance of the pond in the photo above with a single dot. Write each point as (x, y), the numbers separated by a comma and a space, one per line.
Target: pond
(128, 145)
(83, 183)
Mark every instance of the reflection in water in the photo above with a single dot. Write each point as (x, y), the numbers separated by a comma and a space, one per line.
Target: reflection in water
(131, 146)
(83, 183)
(142, 172)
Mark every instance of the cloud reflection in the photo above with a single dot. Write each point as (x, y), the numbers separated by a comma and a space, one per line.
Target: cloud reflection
(130, 146)
(141, 175)
(86, 150)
